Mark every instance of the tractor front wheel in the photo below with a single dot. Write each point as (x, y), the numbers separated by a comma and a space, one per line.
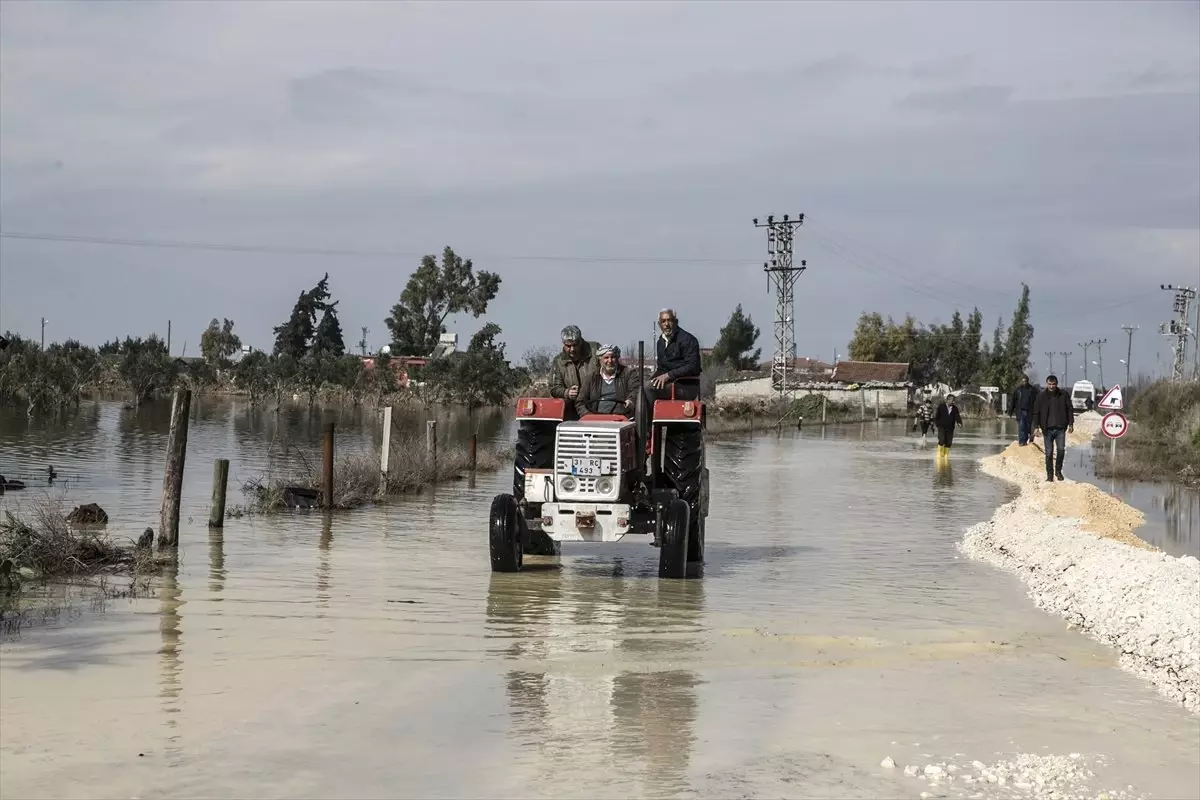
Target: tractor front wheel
(673, 552)
(504, 538)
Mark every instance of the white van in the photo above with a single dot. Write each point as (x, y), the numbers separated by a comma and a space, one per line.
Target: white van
(1083, 395)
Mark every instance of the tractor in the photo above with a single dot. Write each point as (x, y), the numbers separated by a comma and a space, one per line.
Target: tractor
(603, 477)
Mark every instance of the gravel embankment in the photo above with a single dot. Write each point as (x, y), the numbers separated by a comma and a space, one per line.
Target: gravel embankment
(1074, 546)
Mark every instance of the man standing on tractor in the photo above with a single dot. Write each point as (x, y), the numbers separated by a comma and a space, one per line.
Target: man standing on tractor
(677, 356)
(1022, 408)
(610, 390)
(572, 367)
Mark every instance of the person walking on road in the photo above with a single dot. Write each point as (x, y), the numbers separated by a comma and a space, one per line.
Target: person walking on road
(1054, 416)
(945, 419)
(1023, 398)
(924, 418)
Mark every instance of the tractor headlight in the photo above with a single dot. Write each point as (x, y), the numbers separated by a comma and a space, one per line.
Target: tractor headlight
(568, 484)
(604, 485)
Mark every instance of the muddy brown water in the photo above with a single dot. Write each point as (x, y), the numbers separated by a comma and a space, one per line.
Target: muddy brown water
(373, 654)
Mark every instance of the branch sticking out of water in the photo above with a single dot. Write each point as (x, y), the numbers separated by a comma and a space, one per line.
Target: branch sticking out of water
(37, 542)
(356, 478)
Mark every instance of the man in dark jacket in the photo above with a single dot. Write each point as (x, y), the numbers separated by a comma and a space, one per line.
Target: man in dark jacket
(1054, 416)
(572, 367)
(945, 419)
(1022, 408)
(678, 356)
(610, 390)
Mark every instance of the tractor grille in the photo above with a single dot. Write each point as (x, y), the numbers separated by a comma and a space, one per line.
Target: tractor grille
(588, 444)
(604, 445)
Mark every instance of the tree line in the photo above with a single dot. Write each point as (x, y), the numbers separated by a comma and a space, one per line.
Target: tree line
(955, 353)
(308, 356)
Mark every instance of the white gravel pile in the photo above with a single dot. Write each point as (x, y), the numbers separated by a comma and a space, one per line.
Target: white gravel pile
(1143, 602)
(1026, 775)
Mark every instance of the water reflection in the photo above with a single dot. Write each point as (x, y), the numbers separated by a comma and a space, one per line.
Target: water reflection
(598, 675)
(171, 662)
(323, 568)
(216, 561)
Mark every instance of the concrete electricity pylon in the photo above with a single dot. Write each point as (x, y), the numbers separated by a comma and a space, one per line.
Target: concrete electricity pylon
(781, 275)
(1100, 358)
(1180, 328)
(1066, 367)
(1050, 356)
(1129, 329)
(1085, 346)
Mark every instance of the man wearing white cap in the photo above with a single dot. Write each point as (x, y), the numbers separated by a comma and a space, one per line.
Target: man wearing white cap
(610, 390)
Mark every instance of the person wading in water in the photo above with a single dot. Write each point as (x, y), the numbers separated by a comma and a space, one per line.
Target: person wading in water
(946, 418)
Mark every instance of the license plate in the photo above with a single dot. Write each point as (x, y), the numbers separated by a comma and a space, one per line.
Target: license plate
(587, 467)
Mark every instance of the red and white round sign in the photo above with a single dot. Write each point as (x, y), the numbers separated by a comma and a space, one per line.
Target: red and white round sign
(1114, 425)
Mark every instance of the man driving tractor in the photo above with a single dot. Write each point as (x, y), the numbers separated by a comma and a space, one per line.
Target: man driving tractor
(677, 357)
(612, 389)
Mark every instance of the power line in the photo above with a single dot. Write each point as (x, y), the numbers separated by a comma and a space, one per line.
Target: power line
(348, 253)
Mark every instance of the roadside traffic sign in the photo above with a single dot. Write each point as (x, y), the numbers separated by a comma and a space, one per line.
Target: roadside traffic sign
(1112, 400)
(1114, 425)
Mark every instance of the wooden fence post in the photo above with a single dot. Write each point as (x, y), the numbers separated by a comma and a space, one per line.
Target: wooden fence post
(877, 405)
(168, 523)
(431, 440)
(862, 400)
(216, 514)
(327, 474)
(824, 403)
(471, 451)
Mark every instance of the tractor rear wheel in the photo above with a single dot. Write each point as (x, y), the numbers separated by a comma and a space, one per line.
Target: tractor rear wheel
(683, 448)
(673, 553)
(505, 534)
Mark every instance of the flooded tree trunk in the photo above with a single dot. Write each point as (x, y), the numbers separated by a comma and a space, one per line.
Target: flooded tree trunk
(168, 527)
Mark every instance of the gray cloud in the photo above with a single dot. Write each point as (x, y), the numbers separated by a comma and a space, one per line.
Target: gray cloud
(964, 98)
(938, 165)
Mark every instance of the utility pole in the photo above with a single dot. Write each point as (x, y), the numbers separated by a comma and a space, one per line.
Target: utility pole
(1085, 346)
(1100, 358)
(1180, 328)
(44, 321)
(1066, 366)
(168, 337)
(1050, 356)
(1129, 329)
(362, 343)
(782, 274)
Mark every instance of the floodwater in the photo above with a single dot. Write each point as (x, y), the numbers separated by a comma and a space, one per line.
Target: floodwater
(373, 654)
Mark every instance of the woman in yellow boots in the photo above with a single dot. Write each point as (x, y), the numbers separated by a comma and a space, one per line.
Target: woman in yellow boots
(945, 419)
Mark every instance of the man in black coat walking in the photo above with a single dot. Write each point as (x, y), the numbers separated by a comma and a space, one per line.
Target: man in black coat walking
(1022, 408)
(1054, 416)
(945, 419)
(677, 356)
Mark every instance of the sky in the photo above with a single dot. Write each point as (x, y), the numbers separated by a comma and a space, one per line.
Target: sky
(606, 159)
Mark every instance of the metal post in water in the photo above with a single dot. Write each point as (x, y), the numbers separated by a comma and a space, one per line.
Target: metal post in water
(824, 403)
(216, 514)
(327, 473)
(877, 405)
(862, 400)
